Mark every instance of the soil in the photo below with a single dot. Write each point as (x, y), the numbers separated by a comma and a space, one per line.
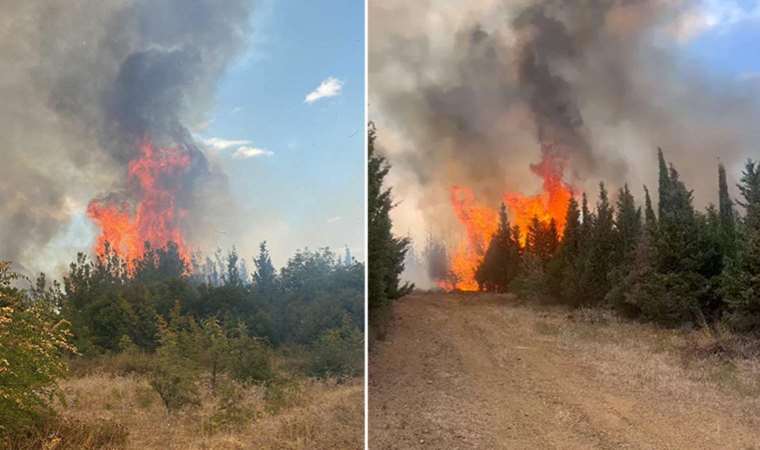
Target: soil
(488, 372)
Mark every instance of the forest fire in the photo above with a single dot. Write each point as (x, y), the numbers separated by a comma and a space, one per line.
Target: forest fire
(154, 218)
(481, 222)
(550, 204)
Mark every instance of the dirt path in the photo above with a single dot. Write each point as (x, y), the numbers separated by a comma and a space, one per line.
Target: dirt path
(474, 371)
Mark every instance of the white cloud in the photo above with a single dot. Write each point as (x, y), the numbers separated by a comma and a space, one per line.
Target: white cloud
(245, 152)
(711, 15)
(219, 144)
(328, 88)
(334, 219)
(243, 148)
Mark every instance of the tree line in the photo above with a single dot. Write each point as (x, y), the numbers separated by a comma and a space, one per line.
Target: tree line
(673, 264)
(178, 323)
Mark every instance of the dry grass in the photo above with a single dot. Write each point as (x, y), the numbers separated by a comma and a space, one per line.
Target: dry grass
(683, 366)
(303, 414)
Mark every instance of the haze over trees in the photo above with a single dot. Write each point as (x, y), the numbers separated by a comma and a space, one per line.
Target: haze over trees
(675, 266)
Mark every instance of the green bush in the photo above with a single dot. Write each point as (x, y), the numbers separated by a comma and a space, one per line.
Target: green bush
(231, 411)
(176, 386)
(32, 344)
(250, 360)
(174, 376)
(338, 352)
(282, 393)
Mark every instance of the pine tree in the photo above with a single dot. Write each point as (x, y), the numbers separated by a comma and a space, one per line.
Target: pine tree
(533, 237)
(551, 239)
(741, 285)
(571, 238)
(385, 252)
(627, 224)
(681, 258)
(587, 218)
(598, 252)
(627, 236)
(664, 183)
(650, 219)
(264, 275)
(501, 262)
(725, 205)
(749, 187)
(563, 271)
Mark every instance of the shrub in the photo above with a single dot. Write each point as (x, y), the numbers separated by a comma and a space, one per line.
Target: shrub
(174, 377)
(249, 359)
(338, 352)
(176, 386)
(282, 393)
(231, 411)
(32, 343)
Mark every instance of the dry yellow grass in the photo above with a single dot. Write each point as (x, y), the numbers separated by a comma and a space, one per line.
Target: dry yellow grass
(323, 415)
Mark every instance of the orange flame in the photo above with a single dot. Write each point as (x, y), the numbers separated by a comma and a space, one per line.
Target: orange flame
(155, 217)
(481, 222)
(550, 204)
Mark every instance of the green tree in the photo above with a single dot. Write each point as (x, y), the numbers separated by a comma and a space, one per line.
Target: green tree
(650, 219)
(385, 252)
(598, 252)
(727, 215)
(501, 262)
(627, 235)
(682, 258)
(741, 284)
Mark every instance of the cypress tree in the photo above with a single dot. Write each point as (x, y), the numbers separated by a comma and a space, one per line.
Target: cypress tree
(598, 252)
(664, 183)
(385, 252)
(627, 235)
(564, 272)
(741, 285)
(264, 275)
(650, 219)
(501, 262)
(571, 236)
(681, 258)
(627, 224)
(725, 204)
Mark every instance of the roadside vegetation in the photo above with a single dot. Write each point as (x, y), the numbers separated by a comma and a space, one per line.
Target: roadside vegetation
(386, 252)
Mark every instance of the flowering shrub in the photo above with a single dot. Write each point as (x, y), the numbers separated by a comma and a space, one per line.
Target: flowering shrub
(32, 343)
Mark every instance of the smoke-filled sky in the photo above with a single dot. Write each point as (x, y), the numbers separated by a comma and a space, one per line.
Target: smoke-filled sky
(469, 92)
(265, 99)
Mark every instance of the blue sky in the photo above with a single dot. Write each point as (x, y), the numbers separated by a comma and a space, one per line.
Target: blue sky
(726, 42)
(302, 182)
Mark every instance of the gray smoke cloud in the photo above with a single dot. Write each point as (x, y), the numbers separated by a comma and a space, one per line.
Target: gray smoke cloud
(472, 92)
(82, 83)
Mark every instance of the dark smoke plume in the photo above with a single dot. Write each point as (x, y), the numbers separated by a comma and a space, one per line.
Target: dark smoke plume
(83, 82)
(472, 92)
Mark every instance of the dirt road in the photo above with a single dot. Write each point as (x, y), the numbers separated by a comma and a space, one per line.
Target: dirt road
(477, 371)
